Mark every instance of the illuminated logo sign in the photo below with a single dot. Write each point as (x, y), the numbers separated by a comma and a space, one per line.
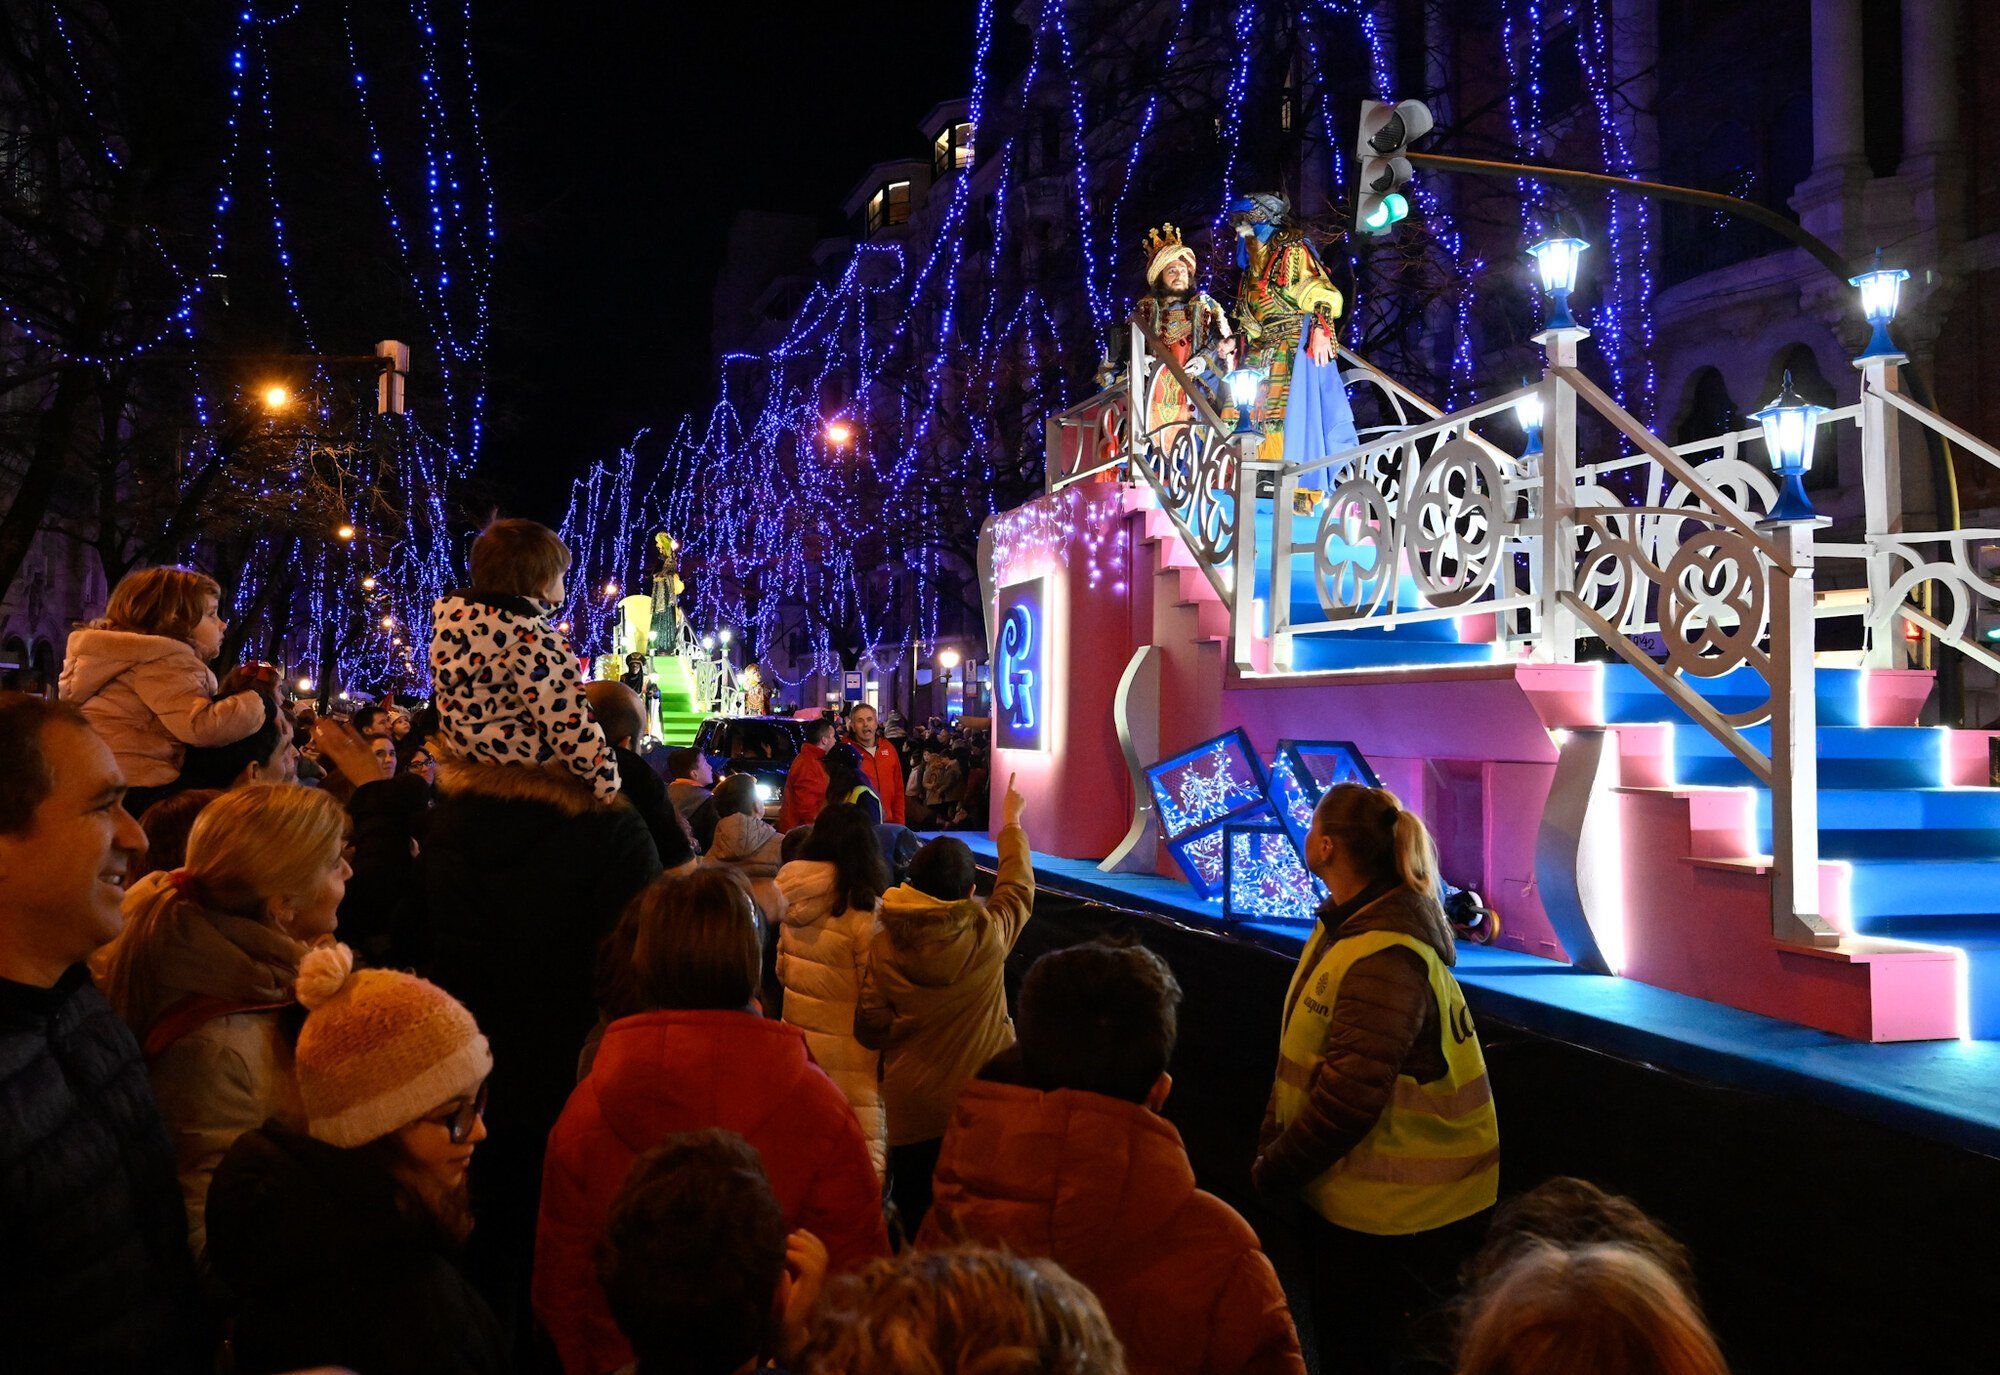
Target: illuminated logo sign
(1020, 683)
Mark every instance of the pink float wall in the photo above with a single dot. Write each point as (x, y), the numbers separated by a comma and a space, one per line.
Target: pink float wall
(1078, 793)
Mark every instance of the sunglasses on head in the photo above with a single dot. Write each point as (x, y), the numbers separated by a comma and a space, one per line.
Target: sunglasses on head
(459, 1120)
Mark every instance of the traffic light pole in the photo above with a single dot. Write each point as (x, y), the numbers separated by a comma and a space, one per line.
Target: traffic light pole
(1821, 251)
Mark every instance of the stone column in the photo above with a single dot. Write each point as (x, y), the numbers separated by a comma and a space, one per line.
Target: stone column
(1930, 77)
(1829, 200)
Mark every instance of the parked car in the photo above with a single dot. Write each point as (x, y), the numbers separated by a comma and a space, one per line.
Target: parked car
(762, 746)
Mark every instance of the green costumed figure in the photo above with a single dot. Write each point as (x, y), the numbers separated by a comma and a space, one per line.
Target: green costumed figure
(1286, 304)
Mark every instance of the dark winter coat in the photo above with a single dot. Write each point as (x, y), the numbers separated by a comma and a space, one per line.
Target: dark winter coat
(647, 792)
(95, 1274)
(329, 1269)
(672, 1071)
(383, 900)
(524, 874)
(1384, 1024)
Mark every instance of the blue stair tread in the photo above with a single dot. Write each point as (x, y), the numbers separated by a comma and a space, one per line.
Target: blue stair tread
(1631, 698)
(1940, 843)
(1835, 742)
(1346, 650)
(1899, 809)
(1882, 892)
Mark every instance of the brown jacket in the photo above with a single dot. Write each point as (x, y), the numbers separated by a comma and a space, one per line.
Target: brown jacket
(1384, 1024)
(932, 998)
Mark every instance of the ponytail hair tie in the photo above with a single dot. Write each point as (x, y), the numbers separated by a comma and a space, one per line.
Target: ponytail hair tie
(183, 881)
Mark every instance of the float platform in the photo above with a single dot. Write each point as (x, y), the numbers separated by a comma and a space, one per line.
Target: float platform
(1944, 1091)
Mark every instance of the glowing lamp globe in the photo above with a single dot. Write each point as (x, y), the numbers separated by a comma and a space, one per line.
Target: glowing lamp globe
(1881, 292)
(723, 634)
(1243, 385)
(1528, 410)
(1790, 425)
(708, 642)
(276, 398)
(1556, 260)
(368, 583)
(305, 685)
(563, 626)
(388, 622)
(344, 533)
(611, 589)
(838, 433)
(948, 658)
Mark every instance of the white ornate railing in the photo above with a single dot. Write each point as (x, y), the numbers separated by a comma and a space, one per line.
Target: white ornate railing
(1665, 553)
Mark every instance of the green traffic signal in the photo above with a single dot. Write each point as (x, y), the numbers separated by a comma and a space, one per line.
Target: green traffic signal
(1385, 212)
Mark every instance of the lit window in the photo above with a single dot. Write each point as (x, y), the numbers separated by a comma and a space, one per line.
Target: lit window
(890, 205)
(952, 149)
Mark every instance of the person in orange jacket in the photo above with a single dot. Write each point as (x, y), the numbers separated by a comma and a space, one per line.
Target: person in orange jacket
(880, 763)
(805, 781)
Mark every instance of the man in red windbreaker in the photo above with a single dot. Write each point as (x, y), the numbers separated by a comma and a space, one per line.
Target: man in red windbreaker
(805, 781)
(880, 763)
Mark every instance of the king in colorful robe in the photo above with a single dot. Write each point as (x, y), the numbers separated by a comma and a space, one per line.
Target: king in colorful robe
(1286, 305)
(1190, 324)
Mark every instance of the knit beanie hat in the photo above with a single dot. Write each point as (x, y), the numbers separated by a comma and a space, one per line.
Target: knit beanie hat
(379, 1048)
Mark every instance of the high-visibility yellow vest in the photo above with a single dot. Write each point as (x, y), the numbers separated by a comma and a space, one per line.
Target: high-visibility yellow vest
(1434, 1155)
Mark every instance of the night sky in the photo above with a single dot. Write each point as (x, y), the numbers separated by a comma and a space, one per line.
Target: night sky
(625, 137)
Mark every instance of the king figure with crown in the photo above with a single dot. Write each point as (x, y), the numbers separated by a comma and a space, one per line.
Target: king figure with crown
(1190, 325)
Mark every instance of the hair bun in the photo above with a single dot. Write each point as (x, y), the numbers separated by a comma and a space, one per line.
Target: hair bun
(322, 974)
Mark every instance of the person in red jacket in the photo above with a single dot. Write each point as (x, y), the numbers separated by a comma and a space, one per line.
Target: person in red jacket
(687, 1050)
(1057, 1150)
(880, 764)
(805, 781)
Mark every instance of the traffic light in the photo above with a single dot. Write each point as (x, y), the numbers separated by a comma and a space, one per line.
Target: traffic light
(1387, 131)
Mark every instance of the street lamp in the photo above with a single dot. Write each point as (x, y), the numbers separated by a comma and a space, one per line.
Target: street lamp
(344, 533)
(708, 642)
(368, 583)
(948, 658)
(1790, 423)
(1881, 292)
(1244, 383)
(388, 622)
(610, 589)
(1557, 259)
(276, 398)
(305, 685)
(838, 433)
(1528, 410)
(723, 634)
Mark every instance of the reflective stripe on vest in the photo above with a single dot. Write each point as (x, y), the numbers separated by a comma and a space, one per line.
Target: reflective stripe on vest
(1433, 1157)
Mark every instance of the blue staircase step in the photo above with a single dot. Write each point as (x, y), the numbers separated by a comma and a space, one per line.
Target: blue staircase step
(1928, 809)
(1631, 698)
(1872, 843)
(1882, 891)
(1347, 649)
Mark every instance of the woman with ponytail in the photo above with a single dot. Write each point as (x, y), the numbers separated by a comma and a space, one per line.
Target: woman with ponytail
(1382, 1119)
(203, 969)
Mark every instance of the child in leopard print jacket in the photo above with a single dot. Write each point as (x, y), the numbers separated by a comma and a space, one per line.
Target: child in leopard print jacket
(509, 689)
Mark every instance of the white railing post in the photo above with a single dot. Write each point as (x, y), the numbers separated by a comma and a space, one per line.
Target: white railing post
(1556, 521)
(1795, 914)
(1243, 628)
(1882, 502)
(1138, 432)
(1283, 492)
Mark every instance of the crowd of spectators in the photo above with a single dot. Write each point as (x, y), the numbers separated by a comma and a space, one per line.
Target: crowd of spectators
(453, 1038)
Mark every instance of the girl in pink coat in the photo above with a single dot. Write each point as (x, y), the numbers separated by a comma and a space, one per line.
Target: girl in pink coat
(140, 676)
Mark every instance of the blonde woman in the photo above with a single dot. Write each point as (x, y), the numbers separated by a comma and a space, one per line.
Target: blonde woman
(1381, 1120)
(140, 676)
(203, 970)
(1606, 1309)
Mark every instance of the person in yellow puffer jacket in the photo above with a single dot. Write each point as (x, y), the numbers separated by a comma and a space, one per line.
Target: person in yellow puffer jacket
(932, 996)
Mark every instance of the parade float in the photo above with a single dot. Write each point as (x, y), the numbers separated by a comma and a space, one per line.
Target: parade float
(1591, 659)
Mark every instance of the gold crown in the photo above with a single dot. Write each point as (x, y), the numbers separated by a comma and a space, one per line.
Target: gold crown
(1166, 236)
